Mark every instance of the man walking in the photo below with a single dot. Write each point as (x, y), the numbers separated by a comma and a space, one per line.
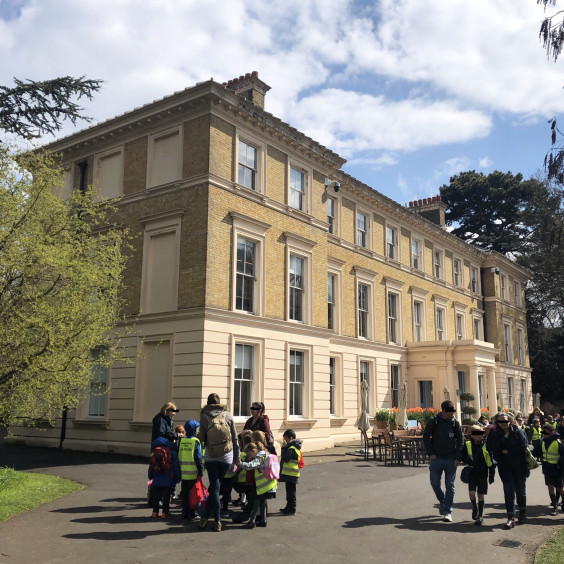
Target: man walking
(444, 443)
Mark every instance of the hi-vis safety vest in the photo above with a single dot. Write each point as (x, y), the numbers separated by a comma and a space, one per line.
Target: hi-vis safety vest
(536, 433)
(188, 468)
(291, 468)
(551, 455)
(485, 452)
(264, 485)
(242, 476)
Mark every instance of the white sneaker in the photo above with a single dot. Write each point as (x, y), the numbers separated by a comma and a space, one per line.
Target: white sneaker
(447, 517)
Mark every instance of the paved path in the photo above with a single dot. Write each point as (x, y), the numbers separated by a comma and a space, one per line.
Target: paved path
(349, 511)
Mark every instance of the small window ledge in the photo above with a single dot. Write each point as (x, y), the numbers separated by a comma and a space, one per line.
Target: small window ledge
(91, 423)
(337, 421)
(300, 423)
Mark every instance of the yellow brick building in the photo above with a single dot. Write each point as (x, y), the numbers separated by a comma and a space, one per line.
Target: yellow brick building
(261, 271)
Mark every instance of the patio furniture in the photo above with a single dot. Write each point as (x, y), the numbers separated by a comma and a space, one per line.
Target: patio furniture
(369, 445)
(392, 449)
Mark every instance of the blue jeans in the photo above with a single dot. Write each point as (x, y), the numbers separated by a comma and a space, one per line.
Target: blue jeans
(216, 472)
(436, 468)
(513, 485)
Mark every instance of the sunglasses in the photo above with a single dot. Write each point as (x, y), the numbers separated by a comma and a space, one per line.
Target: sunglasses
(255, 408)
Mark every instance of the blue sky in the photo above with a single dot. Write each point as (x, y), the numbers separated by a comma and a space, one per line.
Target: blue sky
(408, 92)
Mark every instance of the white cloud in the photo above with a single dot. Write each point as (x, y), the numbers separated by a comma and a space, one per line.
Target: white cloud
(485, 162)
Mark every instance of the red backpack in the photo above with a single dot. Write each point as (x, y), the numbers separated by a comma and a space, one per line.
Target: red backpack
(160, 460)
(301, 462)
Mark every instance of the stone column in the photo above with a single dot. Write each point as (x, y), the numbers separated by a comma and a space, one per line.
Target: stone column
(475, 388)
(492, 391)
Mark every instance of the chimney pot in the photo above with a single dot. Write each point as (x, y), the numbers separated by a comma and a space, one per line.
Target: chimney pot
(255, 74)
(419, 202)
(248, 75)
(439, 198)
(242, 77)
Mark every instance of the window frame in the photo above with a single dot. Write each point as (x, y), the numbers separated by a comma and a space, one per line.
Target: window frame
(507, 343)
(333, 221)
(98, 158)
(301, 248)
(510, 392)
(306, 398)
(334, 268)
(366, 278)
(517, 293)
(503, 286)
(307, 176)
(474, 281)
(521, 345)
(459, 273)
(392, 250)
(367, 231)
(441, 304)
(103, 397)
(337, 387)
(259, 172)
(367, 362)
(478, 317)
(419, 266)
(253, 380)
(255, 231)
(394, 391)
(438, 268)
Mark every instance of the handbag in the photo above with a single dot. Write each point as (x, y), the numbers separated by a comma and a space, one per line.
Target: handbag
(466, 474)
(530, 460)
(198, 496)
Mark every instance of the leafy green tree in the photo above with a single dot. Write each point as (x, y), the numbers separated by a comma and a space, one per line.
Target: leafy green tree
(489, 211)
(61, 264)
(32, 109)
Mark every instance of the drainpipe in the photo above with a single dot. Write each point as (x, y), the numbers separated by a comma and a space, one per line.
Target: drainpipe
(83, 166)
(63, 426)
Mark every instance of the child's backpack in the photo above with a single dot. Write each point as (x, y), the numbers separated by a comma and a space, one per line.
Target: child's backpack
(301, 462)
(271, 470)
(160, 460)
(218, 436)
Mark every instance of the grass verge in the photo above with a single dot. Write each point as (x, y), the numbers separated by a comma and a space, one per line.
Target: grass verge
(22, 491)
(552, 551)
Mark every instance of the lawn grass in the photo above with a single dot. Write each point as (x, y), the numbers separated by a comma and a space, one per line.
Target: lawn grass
(22, 491)
(552, 551)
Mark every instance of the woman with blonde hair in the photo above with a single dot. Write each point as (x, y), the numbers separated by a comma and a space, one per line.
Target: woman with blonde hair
(163, 423)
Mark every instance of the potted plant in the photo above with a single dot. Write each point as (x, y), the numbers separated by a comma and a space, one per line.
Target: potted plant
(382, 418)
(468, 409)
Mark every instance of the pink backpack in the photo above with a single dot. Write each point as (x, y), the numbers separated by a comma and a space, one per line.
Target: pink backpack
(271, 470)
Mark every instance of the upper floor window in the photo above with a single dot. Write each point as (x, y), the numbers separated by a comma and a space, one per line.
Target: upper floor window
(459, 326)
(520, 346)
(297, 288)
(417, 321)
(363, 311)
(361, 229)
(517, 293)
(507, 341)
(522, 397)
(331, 300)
(457, 272)
(108, 174)
(297, 189)
(503, 287)
(392, 243)
(248, 165)
(416, 261)
(246, 267)
(477, 326)
(244, 379)
(474, 280)
(510, 392)
(393, 318)
(331, 215)
(440, 323)
(438, 263)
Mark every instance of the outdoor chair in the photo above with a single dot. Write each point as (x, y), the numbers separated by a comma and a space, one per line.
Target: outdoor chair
(392, 449)
(369, 445)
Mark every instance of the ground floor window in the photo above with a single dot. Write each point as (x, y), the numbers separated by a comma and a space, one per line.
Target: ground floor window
(244, 379)
(394, 384)
(425, 393)
(297, 382)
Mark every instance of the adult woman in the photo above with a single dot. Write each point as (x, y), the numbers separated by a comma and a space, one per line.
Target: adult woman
(260, 422)
(508, 445)
(219, 437)
(536, 414)
(162, 423)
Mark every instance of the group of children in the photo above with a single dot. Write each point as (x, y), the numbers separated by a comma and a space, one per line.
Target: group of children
(547, 448)
(248, 478)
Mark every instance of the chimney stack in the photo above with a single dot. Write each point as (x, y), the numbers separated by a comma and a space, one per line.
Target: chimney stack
(250, 87)
(432, 209)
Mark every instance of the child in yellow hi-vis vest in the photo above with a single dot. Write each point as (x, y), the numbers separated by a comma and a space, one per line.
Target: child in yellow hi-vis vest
(191, 465)
(290, 469)
(476, 456)
(255, 458)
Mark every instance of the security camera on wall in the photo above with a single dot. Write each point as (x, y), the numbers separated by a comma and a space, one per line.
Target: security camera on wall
(495, 270)
(336, 186)
(334, 183)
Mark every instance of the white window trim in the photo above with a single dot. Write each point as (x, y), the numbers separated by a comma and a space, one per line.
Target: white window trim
(441, 252)
(151, 153)
(337, 219)
(507, 342)
(303, 248)
(258, 384)
(520, 345)
(394, 286)
(397, 245)
(420, 240)
(260, 146)
(369, 227)
(308, 384)
(460, 309)
(159, 224)
(419, 295)
(460, 273)
(478, 315)
(307, 171)
(334, 267)
(478, 282)
(372, 396)
(400, 383)
(442, 304)
(98, 157)
(517, 298)
(503, 287)
(366, 277)
(255, 230)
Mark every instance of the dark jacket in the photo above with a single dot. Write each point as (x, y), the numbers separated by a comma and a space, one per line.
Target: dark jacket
(288, 454)
(443, 438)
(477, 461)
(261, 424)
(516, 445)
(170, 479)
(547, 468)
(532, 416)
(162, 427)
(206, 415)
